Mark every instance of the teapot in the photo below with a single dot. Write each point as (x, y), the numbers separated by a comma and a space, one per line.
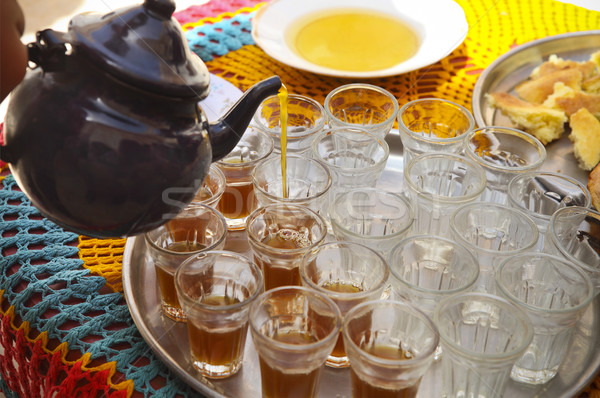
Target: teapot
(105, 135)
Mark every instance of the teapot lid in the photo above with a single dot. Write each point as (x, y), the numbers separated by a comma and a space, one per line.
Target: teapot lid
(144, 46)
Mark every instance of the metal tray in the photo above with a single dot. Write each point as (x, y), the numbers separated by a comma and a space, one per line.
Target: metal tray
(506, 72)
(169, 339)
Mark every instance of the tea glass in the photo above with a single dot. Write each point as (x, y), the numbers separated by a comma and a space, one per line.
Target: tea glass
(279, 235)
(307, 182)
(433, 125)
(390, 345)
(540, 193)
(437, 184)
(197, 228)
(355, 157)
(294, 330)
(492, 232)
(212, 188)
(306, 118)
(238, 201)
(348, 273)
(482, 337)
(574, 233)
(376, 218)
(215, 289)
(504, 153)
(426, 268)
(362, 105)
(554, 293)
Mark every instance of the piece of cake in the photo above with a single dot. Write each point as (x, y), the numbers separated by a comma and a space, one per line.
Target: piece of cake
(594, 186)
(537, 90)
(591, 85)
(544, 123)
(555, 63)
(568, 100)
(585, 135)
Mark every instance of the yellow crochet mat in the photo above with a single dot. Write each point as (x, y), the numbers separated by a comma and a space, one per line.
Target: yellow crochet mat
(494, 28)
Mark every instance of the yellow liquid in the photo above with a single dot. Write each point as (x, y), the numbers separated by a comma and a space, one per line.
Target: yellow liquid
(353, 40)
(283, 102)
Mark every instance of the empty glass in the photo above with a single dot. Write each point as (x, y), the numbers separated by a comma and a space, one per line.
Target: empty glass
(433, 125)
(426, 268)
(437, 184)
(504, 153)
(482, 337)
(390, 345)
(492, 232)
(355, 157)
(306, 118)
(362, 105)
(554, 293)
(574, 233)
(540, 193)
(373, 217)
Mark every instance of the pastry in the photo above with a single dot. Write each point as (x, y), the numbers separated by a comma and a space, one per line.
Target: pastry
(568, 100)
(537, 90)
(585, 135)
(546, 124)
(594, 186)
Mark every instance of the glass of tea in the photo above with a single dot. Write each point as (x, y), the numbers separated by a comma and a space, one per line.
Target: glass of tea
(433, 125)
(307, 182)
(306, 118)
(294, 329)
(196, 229)
(504, 153)
(212, 188)
(362, 105)
(390, 345)
(348, 273)
(216, 289)
(238, 200)
(279, 235)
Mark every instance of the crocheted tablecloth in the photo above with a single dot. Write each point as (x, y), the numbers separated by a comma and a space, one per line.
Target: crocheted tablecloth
(65, 329)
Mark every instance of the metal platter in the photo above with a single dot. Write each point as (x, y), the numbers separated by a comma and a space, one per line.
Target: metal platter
(506, 72)
(169, 339)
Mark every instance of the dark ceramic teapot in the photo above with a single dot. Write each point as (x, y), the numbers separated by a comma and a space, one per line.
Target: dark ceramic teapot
(105, 134)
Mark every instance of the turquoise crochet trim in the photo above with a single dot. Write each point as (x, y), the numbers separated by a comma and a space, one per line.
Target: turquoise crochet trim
(210, 40)
(45, 281)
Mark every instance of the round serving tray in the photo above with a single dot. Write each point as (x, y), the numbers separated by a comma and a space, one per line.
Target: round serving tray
(169, 339)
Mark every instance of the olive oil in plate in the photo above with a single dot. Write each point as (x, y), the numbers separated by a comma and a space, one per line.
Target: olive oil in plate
(349, 39)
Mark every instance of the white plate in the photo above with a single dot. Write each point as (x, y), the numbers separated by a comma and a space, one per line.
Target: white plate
(440, 24)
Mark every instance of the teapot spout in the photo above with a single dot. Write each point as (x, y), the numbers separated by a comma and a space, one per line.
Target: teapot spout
(226, 132)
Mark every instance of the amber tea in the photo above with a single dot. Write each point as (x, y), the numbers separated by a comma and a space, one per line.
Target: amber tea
(363, 389)
(212, 349)
(283, 275)
(280, 384)
(237, 200)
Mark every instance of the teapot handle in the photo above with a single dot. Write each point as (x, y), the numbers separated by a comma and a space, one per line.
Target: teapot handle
(49, 50)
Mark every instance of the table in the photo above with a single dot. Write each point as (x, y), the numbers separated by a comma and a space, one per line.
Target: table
(65, 329)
